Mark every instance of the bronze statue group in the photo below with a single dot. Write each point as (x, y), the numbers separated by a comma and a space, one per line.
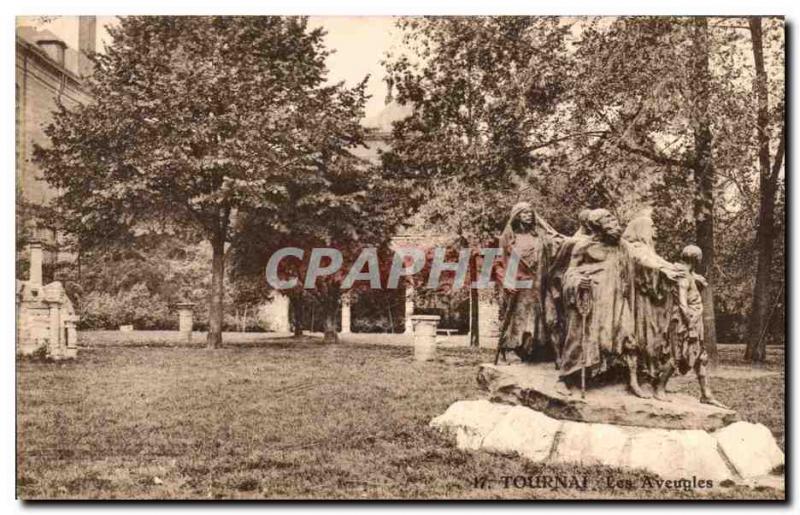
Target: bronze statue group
(603, 301)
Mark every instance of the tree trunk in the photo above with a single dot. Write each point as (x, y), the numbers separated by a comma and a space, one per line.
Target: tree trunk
(330, 334)
(296, 302)
(217, 292)
(705, 180)
(756, 350)
(474, 300)
(391, 318)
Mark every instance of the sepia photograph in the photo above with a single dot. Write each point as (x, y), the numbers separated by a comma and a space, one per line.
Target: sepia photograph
(439, 258)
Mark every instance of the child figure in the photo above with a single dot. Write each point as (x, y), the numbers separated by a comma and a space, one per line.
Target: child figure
(686, 326)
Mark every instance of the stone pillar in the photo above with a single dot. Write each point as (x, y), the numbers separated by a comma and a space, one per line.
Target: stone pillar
(186, 319)
(409, 308)
(71, 335)
(35, 272)
(425, 336)
(346, 313)
(54, 345)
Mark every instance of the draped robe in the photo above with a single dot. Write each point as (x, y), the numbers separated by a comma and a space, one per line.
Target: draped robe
(555, 286)
(686, 330)
(652, 298)
(651, 306)
(631, 302)
(608, 329)
(529, 316)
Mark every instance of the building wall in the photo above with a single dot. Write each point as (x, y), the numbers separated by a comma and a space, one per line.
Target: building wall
(40, 84)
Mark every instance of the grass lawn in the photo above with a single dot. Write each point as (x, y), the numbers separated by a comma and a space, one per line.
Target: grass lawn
(289, 418)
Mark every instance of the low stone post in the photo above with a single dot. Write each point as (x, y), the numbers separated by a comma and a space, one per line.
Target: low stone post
(71, 335)
(409, 308)
(425, 336)
(346, 318)
(186, 319)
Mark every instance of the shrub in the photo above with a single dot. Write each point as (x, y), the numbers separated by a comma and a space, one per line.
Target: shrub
(136, 306)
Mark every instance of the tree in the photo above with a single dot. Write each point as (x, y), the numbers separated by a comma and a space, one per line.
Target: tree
(646, 89)
(197, 120)
(769, 172)
(620, 113)
(702, 166)
(669, 109)
(348, 205)
(480, 89)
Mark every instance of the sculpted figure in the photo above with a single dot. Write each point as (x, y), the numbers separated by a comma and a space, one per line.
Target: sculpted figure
(529, 314)
(687, 347)
(556, 280)
(653, 279)
(596, 294)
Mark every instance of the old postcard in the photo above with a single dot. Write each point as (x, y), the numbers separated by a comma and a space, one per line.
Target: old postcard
(428, 258)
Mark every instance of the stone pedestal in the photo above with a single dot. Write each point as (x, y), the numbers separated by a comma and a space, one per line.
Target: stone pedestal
(530, 415)
(185, 319)
(537, 387)
(425, 336)
(346, 327)
(71, 335)
(409, 309)
(741, 451)
(45, 316)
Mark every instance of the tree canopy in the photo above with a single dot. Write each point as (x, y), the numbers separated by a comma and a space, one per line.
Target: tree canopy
(195, 121)
(622, 113)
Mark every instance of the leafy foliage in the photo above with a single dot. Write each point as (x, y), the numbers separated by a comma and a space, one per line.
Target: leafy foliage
(197, 121)
(485, 92)
(623, 113)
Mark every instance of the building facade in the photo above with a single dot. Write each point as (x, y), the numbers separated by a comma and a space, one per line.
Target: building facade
(48, 75)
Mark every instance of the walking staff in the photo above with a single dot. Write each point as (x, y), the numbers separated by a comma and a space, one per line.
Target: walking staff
(584, 303)
(512, 305)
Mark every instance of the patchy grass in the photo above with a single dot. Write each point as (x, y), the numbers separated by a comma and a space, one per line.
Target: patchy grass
(286, 418)
(733, 355)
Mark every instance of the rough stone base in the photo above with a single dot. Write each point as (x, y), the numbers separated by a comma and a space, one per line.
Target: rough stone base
(537, 387)
(740, 451)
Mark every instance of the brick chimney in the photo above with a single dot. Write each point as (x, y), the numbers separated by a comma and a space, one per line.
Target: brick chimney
(35, 272)
(87, 36)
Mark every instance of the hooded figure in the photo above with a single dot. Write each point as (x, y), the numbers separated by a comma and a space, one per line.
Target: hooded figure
(556, 279)
(599, 326)
(653, 279)
(529, 315)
